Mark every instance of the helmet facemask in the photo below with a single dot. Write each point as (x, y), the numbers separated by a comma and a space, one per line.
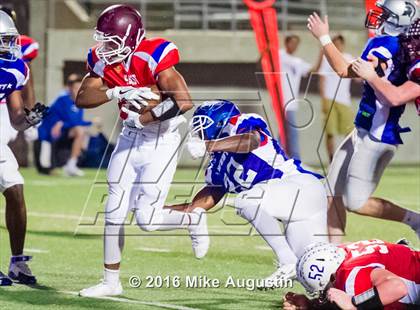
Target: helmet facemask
(113, 49)
(199, 124)
(10, 48)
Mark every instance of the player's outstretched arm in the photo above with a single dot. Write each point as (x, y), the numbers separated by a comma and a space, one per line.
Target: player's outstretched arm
(386, 92)
(320, 30)
(242, 143)
(92, 92)
(206, 199)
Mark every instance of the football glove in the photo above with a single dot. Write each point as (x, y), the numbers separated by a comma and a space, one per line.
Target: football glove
(132, 119)
(36, 114)
(196, 147)
(136, 96)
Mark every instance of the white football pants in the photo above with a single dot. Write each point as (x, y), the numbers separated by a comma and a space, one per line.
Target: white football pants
(299, 201)
(140, 173)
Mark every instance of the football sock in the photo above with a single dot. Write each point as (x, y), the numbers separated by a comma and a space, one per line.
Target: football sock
(72, 162)
(268, 227)
(113, 243)
(111, 277)
(412, 219)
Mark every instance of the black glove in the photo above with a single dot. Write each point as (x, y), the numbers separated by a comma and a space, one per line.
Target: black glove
(36, 114)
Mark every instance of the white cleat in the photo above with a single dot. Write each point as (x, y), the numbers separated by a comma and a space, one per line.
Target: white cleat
(200, 235)
(73, 171)
(279, 278)
(102, 290)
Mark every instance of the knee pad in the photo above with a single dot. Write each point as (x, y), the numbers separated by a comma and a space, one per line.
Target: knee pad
(353, 203)
(146, 218)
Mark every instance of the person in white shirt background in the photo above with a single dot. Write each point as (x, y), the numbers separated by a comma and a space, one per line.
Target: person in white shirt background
(293, 69)
(336, 97)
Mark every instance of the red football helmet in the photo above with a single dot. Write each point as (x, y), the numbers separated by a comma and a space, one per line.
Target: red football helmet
(119, 31)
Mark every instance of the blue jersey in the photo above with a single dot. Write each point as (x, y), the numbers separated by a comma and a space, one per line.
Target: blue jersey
(380, 120)
(239, 172)
(13, 76)
(63, 110)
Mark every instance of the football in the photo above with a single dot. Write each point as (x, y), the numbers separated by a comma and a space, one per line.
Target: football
(151, 103)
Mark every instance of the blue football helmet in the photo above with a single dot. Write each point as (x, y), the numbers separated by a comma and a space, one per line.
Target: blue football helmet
(211, 117)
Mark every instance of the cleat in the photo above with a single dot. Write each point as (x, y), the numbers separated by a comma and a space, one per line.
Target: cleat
(72, 171)
(5, 280)
(19, 270)
(102, 290)
(200, 235)
(278, 278)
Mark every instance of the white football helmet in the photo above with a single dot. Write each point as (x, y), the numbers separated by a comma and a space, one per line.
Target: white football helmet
(316, 265)
(10, 48)
(395, 16)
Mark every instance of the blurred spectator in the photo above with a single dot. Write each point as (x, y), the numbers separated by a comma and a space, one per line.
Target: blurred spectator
(334, 89)
(63, 127)
(293, 70)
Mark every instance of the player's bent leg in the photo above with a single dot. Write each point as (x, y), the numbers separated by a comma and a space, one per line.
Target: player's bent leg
(365, 171)
(155, 180)
(307, 222)
(269, 229)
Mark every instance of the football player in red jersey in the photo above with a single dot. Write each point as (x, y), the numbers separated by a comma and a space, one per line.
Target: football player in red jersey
(123, 66)
(369, 274)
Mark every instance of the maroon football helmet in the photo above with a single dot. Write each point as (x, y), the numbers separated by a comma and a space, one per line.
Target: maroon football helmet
(119, 31)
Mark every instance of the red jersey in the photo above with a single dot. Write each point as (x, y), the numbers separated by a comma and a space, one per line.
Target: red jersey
(29, 48)
(142, 66)
(353, 276)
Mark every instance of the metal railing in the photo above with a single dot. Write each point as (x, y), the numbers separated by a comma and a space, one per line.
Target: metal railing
(232, 14)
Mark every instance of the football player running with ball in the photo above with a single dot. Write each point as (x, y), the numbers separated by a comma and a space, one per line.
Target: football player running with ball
(14, 74)
(246, 160)
(369, 274)
(122, 66)
(361, 159)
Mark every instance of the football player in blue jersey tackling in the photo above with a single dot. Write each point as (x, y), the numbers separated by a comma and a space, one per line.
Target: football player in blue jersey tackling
(360, 161)
(13, 76)
(246, 160)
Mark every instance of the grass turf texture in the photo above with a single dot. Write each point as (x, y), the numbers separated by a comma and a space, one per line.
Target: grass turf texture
(65, 262)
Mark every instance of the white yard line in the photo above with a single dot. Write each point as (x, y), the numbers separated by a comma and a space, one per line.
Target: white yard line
(263, 247)
(145, 249)
(35, 251)
(138, 302)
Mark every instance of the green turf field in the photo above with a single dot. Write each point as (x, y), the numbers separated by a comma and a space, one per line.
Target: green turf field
(65, 263)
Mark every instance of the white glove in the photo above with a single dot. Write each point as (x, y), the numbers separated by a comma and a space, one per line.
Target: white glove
(196, 147)
(136, 96)
(133, 118)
